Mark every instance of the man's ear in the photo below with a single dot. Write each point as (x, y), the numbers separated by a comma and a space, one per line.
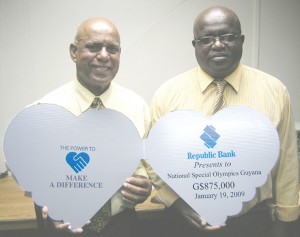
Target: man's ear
(242, 38)
(194, 43)
(73, 50)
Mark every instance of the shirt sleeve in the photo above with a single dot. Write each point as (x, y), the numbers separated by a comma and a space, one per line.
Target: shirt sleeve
(286, 184)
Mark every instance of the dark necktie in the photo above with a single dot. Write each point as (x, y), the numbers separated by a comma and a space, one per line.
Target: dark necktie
(97, 103)
(220, 101)
(101, 218)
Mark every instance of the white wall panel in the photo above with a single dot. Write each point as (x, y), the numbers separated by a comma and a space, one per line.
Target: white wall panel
(155, 36)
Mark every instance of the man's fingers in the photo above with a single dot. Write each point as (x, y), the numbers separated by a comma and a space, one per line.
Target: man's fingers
(138, 185)
(133, 198)
(203, 222)
(61, 226)
(45, 210)
(66, 227)
(139, 181)
(137, 190)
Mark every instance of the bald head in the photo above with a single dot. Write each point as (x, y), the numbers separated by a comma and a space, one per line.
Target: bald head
(95, 25)
(215, 16)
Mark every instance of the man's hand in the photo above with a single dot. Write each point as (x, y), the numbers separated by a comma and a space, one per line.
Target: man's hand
(191, 216)
(61, 226)
(136, 189)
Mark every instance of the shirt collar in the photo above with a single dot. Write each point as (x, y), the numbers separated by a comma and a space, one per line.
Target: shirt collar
(233, 79)
(85, 97)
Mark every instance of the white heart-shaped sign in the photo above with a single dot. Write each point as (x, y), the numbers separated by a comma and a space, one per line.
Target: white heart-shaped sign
(214, 163)
(71, 164)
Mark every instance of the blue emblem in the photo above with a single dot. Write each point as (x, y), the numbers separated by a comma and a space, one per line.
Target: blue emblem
(77, 161)
(210, 136)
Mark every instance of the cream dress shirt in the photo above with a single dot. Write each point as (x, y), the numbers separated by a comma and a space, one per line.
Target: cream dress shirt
(249, 87)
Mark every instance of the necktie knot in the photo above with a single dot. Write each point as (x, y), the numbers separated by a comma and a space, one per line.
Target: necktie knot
(220, 85)
(97, 103)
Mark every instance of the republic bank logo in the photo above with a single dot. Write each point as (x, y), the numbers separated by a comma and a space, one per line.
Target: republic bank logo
(210, 136)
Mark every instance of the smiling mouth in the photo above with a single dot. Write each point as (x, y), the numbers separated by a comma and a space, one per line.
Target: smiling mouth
(101, 68)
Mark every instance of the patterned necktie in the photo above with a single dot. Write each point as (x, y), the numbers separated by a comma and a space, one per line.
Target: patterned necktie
(102, 217)
(97, 103)
(220, 101)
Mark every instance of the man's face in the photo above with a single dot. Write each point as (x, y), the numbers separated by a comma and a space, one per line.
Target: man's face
(220, 57)
(97, 56)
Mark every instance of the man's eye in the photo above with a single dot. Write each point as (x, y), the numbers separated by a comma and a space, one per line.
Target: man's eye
(207, 40)
(93, 47)
(113, 49)
(227, 38)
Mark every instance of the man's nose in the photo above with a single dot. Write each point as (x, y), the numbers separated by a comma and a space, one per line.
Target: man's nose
(218, 43)
(103, 54)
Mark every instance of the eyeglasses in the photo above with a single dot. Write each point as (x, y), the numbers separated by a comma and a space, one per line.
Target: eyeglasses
(209, 40)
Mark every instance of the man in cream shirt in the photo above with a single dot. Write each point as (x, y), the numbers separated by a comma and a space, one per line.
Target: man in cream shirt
(218, 43)
(96, 53)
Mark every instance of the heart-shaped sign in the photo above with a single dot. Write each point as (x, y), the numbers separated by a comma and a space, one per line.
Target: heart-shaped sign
(71, 164)
(214, 163)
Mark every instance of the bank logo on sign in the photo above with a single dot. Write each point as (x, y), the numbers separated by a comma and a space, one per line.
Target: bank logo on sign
(210, 136)
(77, 161)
